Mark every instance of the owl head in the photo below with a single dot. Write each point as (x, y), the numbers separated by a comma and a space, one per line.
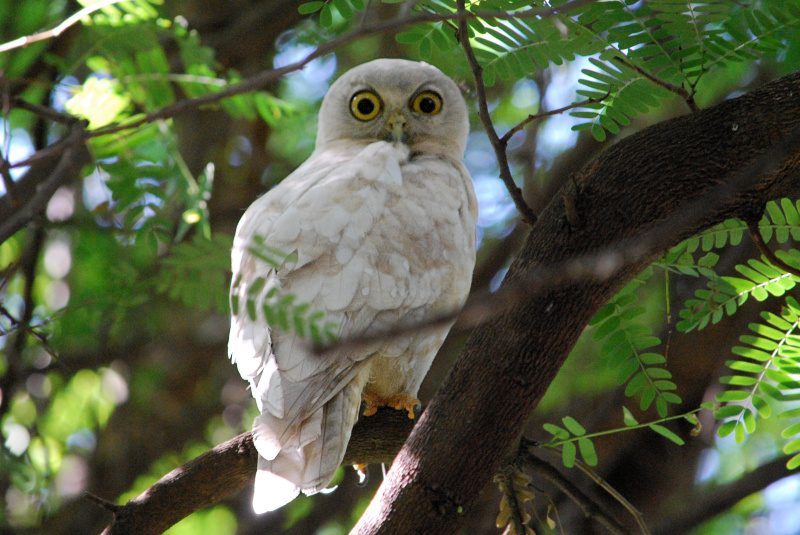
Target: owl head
(399, 101)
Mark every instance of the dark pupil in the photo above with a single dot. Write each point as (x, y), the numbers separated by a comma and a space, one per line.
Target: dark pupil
(365, 106)
(427, 105)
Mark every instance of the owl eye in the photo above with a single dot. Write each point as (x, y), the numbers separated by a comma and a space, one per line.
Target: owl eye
(365, 105)
(427, 103)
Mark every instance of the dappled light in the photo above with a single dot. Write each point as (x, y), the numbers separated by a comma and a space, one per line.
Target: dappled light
(634, 313)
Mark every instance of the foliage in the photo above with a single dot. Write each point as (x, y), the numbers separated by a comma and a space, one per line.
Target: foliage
(767, 366)
(572, 432)
(640, 52)
(626, 338)
(83, 339)
(724, 295)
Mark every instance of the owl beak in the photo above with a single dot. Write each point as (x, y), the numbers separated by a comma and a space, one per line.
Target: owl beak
(394, 129)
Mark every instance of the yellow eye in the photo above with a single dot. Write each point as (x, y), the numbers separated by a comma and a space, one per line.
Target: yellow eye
(365, 105)
(427, 103)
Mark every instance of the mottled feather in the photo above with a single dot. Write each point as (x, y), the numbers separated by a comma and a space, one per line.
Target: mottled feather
(381, 233)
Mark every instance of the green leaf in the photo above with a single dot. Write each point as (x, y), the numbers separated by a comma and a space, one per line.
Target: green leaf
(663, 431)
(587, 451)
(568, 454)
(791, 431)
(326, 16)
(310, 7)
(573, 426)
(556, 431)
(731, 395)
(409, 37)
(729, 410)
(794, 462)
(648, 395)
(628, 418)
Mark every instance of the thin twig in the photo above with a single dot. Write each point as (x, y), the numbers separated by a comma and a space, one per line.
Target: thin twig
(505, 480)
(74, 157)
(672, 88)
(44, 111)
(508, 135)
(5, 165)
(483, 112)
(58, 30)
(635, 513)
(8, 182)
(590, 508)
(50, 151)
(265, 77)
(105, 504)
(755, 233)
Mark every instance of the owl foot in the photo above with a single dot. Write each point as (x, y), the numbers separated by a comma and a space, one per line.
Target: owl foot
(371, 403)
(405, 402)
(363, 475)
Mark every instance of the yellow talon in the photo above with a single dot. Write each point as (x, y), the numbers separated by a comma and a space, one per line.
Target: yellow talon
(399, 402)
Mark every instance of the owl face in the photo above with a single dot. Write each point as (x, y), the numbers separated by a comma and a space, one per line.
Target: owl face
(398, 101)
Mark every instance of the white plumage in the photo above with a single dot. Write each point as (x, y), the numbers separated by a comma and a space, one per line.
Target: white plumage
(380, 221)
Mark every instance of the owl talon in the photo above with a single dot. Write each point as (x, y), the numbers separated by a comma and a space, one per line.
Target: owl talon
(363, 475)
(370, 404)
(407, 403)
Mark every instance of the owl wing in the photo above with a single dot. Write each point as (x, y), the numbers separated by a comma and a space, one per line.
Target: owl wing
(322, 216)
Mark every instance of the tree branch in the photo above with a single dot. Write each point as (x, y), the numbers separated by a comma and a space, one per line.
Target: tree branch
(58, 30)
(34, 190)
(498, 145)
(732, 158)
(649, 191)
(590, 508)
(231, 466)
(530, 118)
(672, 88)
(702, 506)
(265, 77)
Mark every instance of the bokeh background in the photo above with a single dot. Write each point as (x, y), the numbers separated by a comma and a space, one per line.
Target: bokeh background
(113, 327)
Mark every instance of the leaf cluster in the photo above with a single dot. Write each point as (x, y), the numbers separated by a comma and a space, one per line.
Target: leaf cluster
(764, 375)
(627, 348)
(759, 279)
(639, 53)
(572, 432)
(131, 74)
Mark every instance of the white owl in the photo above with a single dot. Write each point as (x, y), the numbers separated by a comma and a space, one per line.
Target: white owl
(380, 223)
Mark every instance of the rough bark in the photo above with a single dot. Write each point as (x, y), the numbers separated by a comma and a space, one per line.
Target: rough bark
(638, 198)
(231, 466)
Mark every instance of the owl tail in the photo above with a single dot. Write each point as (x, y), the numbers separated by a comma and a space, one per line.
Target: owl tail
(304, 457)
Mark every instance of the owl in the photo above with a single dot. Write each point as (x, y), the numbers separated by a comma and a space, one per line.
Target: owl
(378, 232)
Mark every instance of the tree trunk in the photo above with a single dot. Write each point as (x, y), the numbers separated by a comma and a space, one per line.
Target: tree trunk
(622, 211)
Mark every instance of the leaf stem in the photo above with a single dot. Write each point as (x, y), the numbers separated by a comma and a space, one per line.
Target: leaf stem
(58, 30)
(554, 444)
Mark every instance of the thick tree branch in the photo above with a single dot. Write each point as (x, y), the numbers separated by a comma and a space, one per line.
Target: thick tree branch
(638, 198)
(742, 152)
(700, 507)
(231, 466)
